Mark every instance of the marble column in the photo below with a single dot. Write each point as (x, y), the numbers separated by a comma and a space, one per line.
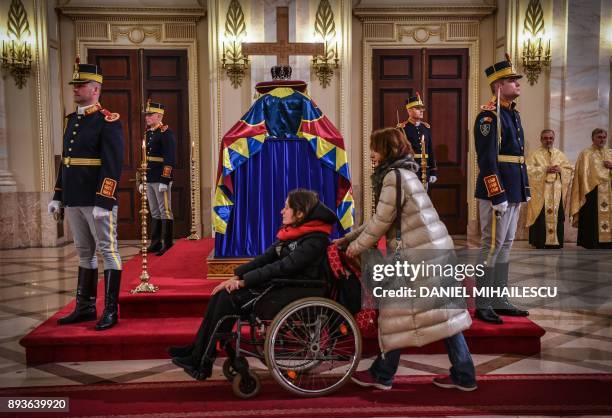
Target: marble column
(587, 74)
(7, 183)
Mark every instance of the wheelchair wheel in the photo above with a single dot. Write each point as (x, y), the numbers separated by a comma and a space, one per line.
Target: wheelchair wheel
(246, 387)
(313, 347)
(228, 370)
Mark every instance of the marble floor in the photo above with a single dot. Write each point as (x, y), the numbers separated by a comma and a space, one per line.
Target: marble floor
(36, 282)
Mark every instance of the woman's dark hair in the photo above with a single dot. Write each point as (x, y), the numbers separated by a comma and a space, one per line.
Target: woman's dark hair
(302, 200)
(390, 143)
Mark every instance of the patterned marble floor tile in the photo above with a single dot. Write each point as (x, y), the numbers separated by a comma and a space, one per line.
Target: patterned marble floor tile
(539, 366)
(30, 376)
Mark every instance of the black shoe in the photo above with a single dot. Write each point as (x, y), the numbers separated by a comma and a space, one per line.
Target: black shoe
(87, 289)
(167, 226)
(511, 310)
(110, 316)
(484, 311)
(488, 315)
(185, 362)
(156, 233)
(180, 351)
(502, 305)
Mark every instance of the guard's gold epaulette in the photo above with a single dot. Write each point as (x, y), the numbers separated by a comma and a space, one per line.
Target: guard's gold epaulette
(400, 124)
(163, 128)
(426, 125)
(109, 116)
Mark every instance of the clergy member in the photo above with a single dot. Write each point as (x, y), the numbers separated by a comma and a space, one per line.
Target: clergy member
(591, 196)
(550, 174)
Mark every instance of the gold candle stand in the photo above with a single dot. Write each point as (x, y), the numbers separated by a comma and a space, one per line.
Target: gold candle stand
(145, 286)
(193, 236)
(423, 162)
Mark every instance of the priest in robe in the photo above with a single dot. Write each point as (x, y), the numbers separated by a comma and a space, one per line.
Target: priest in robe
(591, 195)
(550, 174)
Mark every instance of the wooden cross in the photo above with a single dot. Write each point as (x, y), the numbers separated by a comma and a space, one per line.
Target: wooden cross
(282, 48)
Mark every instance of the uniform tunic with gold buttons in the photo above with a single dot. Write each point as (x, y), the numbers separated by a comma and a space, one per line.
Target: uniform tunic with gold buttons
(161, 154)
(500, 179)
(413, 134)
(92, 158)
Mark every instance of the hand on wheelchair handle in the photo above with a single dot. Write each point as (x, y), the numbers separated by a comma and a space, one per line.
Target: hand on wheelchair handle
(351, 251)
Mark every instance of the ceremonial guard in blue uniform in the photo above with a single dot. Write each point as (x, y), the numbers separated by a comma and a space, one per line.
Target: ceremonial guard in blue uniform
(161, 159)
(86, 186)
(416, 129)
(501, 187)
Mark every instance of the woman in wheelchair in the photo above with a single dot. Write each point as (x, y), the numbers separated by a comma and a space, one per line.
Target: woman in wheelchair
(299, 255)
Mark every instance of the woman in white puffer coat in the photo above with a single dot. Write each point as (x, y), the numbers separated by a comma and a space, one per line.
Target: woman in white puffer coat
(421, 228)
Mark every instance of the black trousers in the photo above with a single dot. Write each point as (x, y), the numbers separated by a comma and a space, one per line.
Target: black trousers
(224, 303)
(537, 231)
(588, 224)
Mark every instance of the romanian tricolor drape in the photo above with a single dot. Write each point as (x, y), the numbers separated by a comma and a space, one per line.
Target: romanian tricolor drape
(282, 112)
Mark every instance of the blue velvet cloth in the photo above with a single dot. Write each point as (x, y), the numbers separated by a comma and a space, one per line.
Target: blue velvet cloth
(261, 188)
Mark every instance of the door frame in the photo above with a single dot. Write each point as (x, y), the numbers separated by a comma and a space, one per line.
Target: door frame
(416, 32)
(166, 29)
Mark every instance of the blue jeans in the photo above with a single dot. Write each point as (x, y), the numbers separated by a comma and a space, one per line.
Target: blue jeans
(462, 371)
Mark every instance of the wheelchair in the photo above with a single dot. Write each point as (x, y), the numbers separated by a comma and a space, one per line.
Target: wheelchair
(311, 347)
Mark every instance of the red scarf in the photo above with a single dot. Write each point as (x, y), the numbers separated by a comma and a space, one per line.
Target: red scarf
(288, 232)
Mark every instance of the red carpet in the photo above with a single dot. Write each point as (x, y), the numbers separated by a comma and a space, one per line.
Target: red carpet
(152, 321)
(411, 395)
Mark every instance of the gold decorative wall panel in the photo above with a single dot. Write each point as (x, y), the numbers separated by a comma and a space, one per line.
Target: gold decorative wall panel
(136, 34)
(458, 31)
(379, 31)
(177, 31)
(92, 30)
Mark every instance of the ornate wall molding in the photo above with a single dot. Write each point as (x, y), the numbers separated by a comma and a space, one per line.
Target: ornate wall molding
(411, 12)
(97, 27)
(394, 28)
(136, 34)
(149, 14)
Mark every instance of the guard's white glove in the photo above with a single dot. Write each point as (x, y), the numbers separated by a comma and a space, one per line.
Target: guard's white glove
(501, 208)
(140, 188)
(528, 198)
(433, 179)
(163, 187)
(99, 213)
(53, 206)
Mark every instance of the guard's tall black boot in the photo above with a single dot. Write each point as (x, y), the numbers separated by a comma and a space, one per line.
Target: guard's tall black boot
(85, 309)
(167, 234)
(502, 305)
(156, 232)
(112, 281)
(484, 311)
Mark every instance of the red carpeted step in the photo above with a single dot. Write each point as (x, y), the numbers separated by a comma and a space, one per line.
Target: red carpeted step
(146, 338)
(181, 277)
(505, 394)
(152, 321)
